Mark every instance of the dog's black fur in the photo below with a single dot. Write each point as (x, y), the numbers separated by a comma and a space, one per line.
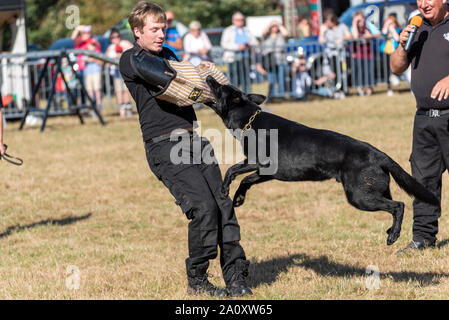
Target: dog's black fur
(308, 154)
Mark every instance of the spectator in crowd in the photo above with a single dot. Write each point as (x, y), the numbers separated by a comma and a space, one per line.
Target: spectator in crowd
(70, 79)
(196, 44)
(92, 74)
(304, 27)
(2, 146)
(273, 58)
(303, 84)
(333, 34)
(81, 35)
(172, 39)
(237, 41)
(301, 79)
(115, 51)
(390, 31)
(362, 54)
(61, 91)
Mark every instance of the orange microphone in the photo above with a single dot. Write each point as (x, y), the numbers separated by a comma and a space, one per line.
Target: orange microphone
(416, 21)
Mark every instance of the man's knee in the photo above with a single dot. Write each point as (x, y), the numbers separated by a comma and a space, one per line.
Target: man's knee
(203, 228)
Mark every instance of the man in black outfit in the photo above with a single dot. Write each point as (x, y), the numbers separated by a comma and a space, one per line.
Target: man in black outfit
(428, 58)
(196, 187)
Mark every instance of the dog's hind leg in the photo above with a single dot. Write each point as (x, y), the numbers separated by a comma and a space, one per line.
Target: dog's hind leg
(244, 186)
(234, 171)
(371, 201)
(370, 191)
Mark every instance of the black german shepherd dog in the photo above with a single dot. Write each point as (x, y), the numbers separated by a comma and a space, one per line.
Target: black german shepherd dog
(308, 154)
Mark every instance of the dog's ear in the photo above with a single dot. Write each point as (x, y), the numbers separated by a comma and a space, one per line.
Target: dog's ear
(256, 98)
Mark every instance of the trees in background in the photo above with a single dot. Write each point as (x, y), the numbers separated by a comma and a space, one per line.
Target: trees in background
(47, 18)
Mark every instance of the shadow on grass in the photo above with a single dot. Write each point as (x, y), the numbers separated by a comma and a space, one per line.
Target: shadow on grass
(57, 222)
(266, 272)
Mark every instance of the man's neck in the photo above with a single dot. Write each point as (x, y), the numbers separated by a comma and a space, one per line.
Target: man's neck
(152, 52)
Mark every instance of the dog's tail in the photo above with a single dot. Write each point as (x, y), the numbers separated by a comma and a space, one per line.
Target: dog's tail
(408, 183)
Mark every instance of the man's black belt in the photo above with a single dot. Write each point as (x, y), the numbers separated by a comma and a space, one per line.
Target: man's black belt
(173, 134)
(432, 113)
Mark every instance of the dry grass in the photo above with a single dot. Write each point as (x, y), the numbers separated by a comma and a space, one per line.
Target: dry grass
(86, 197)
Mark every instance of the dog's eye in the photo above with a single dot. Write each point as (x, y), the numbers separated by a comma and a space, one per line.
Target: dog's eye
(236, 99)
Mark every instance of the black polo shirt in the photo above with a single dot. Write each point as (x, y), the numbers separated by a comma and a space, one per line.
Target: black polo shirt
(429, 57)
(156, 117)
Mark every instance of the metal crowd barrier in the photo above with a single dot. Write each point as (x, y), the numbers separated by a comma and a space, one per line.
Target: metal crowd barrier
(20, 72)
(328, 71)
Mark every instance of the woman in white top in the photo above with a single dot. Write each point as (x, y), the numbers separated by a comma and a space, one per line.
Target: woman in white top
(196, 44)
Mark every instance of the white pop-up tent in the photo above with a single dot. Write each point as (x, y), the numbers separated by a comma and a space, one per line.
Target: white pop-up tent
(12, 13)
(14, 76)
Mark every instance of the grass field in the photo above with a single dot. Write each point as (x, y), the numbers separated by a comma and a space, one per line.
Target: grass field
(85, 200)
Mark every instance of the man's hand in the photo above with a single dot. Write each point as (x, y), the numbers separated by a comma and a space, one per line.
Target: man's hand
(441, 90)
(399, 60)
(403, 37)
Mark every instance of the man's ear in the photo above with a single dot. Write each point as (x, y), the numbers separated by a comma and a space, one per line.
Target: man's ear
(136, 32)
(256, 98)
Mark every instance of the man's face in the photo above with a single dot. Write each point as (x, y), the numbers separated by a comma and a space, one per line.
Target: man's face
(432, 10)
(152, 35)
(170, 17)
(195, 31)
(238, 21)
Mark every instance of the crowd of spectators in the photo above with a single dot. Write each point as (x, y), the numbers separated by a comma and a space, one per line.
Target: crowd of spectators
(348, 54)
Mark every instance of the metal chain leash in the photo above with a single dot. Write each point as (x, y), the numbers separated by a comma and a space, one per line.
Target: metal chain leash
(248, 125)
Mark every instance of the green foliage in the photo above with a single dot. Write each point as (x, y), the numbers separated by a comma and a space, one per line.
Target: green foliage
(47, 18)
(216, 13)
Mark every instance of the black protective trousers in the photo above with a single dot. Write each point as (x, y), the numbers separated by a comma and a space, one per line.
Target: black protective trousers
(429, 160)
(196, 188)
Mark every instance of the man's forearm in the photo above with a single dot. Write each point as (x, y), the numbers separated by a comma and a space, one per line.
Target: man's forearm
(399, 60)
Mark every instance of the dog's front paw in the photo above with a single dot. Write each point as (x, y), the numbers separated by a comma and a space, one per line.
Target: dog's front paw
(238, 200)
(392, 236)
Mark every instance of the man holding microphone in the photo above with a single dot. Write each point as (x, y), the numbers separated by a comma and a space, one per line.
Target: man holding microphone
(428, 55)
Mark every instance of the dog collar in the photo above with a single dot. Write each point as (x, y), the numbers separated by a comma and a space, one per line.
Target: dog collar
(248, 125)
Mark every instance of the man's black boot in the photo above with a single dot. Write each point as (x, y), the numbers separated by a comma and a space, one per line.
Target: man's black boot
(417, 245)
(236, 285)
(199, 284)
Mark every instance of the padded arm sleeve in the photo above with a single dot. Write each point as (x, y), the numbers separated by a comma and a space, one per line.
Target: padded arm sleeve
(153, 70)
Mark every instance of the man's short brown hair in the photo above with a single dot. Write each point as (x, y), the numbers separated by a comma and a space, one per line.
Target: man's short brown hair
(139, 14)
